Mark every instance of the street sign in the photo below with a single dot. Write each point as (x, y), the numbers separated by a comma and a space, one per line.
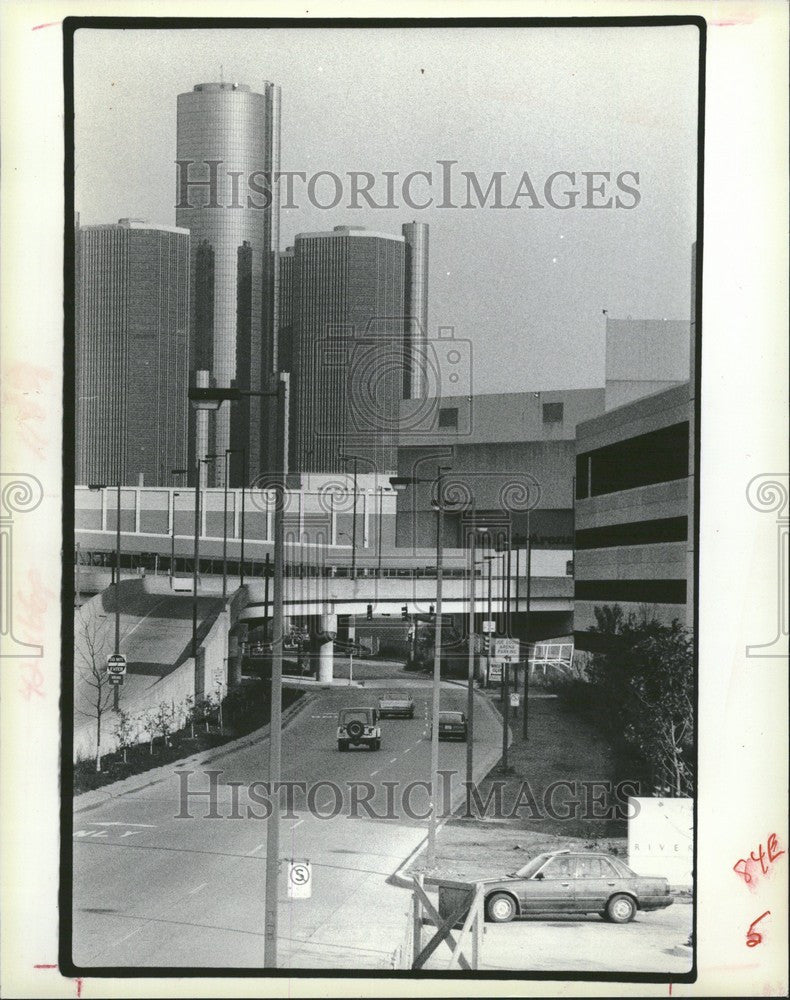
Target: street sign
(115, 679)
(116, 664)
(300, 880)
(495, 673)
(515, 700)
(506, 650)
(489, 625)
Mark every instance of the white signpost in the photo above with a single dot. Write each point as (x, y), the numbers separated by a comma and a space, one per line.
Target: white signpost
(300, 880)
(506, 651)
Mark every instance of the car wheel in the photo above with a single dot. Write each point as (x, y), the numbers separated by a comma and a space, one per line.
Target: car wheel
(620, 909)
(500, 908)
(342, 744)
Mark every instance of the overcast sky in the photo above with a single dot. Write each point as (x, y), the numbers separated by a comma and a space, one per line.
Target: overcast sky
(526, 286)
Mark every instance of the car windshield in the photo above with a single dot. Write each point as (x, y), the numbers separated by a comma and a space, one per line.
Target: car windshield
(451, 717)
(532, 866)
(356, 714)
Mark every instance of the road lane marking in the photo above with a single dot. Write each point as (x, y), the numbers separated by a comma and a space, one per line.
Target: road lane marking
(408, 750)
(197, 888)
(374, 773)
(127, 634)
(256, 849)
(297, 823)
(393, 760)
(96, 822)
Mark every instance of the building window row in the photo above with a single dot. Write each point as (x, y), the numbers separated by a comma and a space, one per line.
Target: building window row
(656, 457)
(631, 591)
(662, 529)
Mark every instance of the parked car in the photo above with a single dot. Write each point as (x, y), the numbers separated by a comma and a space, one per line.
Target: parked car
(396, 706)
(574, 882)
(452, 726)
(358, 727)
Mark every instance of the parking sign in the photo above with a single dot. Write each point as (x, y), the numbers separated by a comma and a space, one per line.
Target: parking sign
(300, 880)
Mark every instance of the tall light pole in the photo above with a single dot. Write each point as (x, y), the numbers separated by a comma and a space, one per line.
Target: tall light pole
(378, 531)
(117, 645)
(488, 559)
(173, 538)
(174, 472)
(228, 453)
(400, 482)
(243, 496)
(196, 555)
(525, 711)
(212, 398)
(355, 459)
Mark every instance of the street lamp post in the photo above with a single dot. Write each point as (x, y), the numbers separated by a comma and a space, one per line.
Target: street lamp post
(117, 645)
(400, 482)
(212, 398)
(525, 711)
(174, 472)
(173, 538)
(228, 453)
(470, 693)
(196, 555)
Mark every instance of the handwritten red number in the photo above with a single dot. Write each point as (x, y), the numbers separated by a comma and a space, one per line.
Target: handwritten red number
(773, 850)
(753, 937)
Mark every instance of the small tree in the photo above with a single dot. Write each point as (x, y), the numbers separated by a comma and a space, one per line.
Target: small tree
(125, 732)
(163, 719)
(147, 723)
(91, 648)
(191, 713)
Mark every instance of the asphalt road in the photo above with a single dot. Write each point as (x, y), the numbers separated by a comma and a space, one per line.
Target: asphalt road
(151, 889)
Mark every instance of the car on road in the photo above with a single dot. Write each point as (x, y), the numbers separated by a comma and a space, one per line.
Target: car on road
(452, 726)
(574, 882)
(396, 706)
(358, 727)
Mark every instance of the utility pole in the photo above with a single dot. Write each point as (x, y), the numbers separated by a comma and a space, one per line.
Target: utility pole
(437, 672)
(116, 688)
(525, 710)
(470, 691)
(275, 728)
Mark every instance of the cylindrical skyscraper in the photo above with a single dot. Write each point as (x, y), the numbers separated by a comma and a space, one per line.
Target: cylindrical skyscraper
(132, 309)
(416, 308)
(347, 353)
(228, 149)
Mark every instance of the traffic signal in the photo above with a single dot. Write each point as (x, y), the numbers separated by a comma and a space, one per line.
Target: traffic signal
(370, 612)
(430, 611)
(404, 612)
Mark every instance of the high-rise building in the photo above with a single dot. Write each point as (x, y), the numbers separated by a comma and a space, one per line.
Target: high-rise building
(348, 356)
(228, 149)
(132, 314)
(415, 290)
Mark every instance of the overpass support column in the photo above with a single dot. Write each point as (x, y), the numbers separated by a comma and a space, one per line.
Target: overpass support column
(326, 648)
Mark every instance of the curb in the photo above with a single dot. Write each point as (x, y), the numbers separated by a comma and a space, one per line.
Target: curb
(98, 796)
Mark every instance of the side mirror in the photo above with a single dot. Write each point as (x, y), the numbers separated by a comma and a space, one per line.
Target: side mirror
(539, 877)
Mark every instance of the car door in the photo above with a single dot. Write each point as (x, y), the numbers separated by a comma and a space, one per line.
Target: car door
(596, 881)
(551, 889)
